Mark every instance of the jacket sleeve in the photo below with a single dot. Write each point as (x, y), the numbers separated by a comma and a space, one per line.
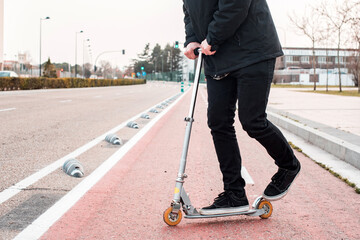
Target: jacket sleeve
(189, 32)
(226, 20)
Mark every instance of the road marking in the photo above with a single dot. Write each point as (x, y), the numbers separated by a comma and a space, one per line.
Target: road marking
(65, 101)
(18, 187)
(204, 98)
(7, 109)
(99, 96)
(37, 228)
(246, 176)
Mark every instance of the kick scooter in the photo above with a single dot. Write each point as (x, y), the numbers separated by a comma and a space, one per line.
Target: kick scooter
(172, 215)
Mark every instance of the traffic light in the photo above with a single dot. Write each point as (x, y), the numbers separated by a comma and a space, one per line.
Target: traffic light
(176, 44)
(123, 51)
(142, 68)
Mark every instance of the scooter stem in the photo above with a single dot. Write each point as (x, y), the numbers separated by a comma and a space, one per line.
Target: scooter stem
(181, 174)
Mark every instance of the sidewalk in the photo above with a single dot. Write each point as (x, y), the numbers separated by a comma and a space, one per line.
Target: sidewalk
(129, 201)
(327, 121)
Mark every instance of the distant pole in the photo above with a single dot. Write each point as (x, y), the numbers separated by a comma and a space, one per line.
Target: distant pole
(40, 44)
(2, 35)
(83, 65)
(76, 33)
(162, 63)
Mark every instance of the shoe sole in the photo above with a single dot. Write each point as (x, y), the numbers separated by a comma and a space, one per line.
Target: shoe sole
(224, 210)
(281, 195)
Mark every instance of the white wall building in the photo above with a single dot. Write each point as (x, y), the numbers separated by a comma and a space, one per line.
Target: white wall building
(297, 66)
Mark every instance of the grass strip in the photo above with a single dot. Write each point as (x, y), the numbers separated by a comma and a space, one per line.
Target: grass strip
(351, 184)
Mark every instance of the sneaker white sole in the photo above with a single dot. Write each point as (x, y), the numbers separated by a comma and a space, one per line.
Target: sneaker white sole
(224, 210)
(280, 196)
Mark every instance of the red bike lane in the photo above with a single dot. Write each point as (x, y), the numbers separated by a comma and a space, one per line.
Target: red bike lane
(128, 203)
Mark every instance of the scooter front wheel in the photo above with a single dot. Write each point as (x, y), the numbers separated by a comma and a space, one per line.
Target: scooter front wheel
(267, 206)
(170, 218)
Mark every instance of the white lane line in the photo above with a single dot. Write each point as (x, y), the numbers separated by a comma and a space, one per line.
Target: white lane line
(65, 101)
(18, 187)
(204, 98)
(246, 176)
(99, 96)
(36, 229)
(7, 109)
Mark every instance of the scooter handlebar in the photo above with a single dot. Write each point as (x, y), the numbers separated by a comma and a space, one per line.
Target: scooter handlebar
(197, 51)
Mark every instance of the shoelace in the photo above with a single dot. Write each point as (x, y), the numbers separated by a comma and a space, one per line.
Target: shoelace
(277, 178)
(220, 196)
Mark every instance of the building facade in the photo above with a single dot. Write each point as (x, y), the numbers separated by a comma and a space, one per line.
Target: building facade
(299, 66)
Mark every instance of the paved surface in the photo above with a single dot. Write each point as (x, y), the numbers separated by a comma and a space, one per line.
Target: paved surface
(328, 111)
(128, 202)
(48, 126)
(330, 122)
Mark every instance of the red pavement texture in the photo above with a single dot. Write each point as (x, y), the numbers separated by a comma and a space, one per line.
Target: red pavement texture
(129, 201)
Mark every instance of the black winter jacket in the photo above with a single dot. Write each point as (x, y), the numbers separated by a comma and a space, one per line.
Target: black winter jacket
(241, 31)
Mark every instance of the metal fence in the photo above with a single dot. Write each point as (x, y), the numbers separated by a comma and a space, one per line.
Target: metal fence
(173, 77)
(165, 76)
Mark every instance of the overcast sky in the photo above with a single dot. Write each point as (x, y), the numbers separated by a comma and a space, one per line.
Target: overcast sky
(110, 25)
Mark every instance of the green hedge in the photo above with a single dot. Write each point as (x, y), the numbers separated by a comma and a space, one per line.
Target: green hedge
(16, 83)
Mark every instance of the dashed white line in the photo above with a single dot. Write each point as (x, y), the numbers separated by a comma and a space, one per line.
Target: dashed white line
(7, 109)
(65, 101)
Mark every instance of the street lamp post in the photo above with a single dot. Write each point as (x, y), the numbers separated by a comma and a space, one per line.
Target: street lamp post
(76, 33)
(41, 19)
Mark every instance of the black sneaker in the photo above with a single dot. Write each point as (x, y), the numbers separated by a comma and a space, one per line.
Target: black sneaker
(280, 183)
(227, 202)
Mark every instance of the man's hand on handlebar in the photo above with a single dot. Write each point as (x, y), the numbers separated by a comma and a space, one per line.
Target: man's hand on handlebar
(189, 52)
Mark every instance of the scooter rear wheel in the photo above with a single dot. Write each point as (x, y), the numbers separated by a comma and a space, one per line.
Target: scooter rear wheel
(172, 219)
(267, 206)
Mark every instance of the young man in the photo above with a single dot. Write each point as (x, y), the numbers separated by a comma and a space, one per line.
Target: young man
(240, 43)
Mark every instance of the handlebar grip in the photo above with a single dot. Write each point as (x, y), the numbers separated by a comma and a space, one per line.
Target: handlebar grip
(197, 51)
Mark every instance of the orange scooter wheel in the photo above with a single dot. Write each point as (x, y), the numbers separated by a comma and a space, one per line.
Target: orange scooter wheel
(267, 206)
(170, 218)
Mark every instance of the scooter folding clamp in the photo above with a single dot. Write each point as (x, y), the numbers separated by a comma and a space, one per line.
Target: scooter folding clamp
(189, 119)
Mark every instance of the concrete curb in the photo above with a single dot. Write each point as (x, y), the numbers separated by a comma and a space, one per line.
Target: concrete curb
(344, 150)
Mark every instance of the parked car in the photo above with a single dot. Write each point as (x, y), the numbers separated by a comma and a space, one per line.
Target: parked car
(8, 74)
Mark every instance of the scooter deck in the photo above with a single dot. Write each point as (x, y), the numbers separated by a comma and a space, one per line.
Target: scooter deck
(254, 212)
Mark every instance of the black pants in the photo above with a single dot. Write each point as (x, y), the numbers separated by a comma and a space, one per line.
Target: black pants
(250, 87)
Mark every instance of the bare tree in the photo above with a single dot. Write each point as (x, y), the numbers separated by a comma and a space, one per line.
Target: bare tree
(355, 32)
(338, 16)
(310, 25)
(129, 70)
(326, 41)
(106, 69)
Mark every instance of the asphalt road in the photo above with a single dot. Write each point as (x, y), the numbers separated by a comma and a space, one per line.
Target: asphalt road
(42, 126)
(126, 189)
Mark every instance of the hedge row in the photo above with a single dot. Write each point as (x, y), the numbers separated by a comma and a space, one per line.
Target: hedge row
(16, 83)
